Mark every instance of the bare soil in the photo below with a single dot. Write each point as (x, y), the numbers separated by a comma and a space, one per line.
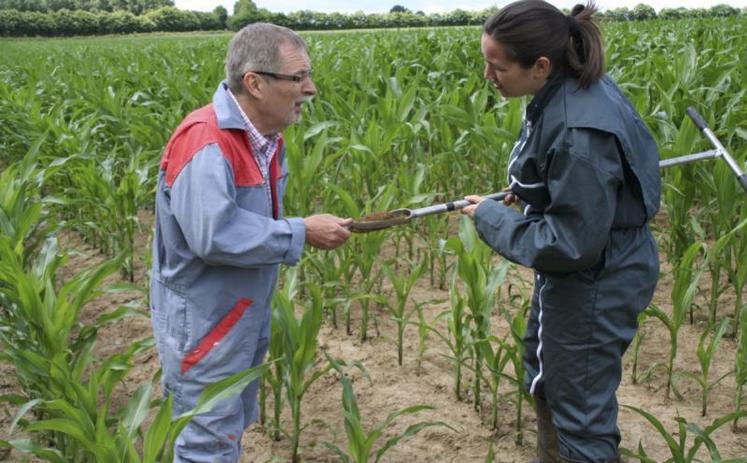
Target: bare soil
(392, 387)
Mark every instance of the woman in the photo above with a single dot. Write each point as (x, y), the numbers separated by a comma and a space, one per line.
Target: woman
(585, 170)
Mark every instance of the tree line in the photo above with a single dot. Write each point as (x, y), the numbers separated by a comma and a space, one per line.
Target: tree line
(92, 17)
(136, 7)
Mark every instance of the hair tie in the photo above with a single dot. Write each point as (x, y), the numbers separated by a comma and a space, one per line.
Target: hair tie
(573, 26)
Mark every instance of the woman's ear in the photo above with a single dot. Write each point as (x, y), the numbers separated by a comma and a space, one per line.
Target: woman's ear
(542, 68)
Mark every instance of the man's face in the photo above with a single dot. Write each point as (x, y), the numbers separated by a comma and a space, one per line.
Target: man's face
(508, 77)
(284, 98)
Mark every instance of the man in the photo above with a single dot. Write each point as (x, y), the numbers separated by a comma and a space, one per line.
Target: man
(220, 235)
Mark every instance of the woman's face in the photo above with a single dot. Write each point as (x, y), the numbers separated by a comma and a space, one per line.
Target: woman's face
(509, 77)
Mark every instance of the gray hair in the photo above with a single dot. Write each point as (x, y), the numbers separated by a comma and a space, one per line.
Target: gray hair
(256, 48)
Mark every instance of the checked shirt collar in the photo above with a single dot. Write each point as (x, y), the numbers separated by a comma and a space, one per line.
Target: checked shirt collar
(262, 147)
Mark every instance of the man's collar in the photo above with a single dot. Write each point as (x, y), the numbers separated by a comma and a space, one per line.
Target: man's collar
(226, 111)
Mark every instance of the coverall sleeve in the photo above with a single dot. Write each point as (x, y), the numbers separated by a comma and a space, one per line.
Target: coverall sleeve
(217, 230)
(573, 230)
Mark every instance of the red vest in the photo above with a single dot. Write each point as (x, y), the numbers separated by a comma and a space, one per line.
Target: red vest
(199, 129)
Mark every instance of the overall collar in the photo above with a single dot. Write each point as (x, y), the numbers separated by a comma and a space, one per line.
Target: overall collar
(542, 98)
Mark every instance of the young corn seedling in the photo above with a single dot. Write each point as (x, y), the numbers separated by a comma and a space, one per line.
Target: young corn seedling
(706, 351)
(736, 269)
(103, 438)
(495, 360)
(434, 228)
(330, 273)
(458, 338)
(638, 339)
(360, 442)
(366, 251)
(679, 194)
(514, 350)
(299, 341)
(105, 197)
(681, 450)
(492, 349)
(721, 211)
(23, 217)
(473, 268)
(424, 330)
(741, 369)
(738, 275)
(274, 381)
(687, 276)
(402, 286)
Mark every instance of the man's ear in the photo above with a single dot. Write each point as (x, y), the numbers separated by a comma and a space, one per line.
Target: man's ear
(253, 84)
(542, 68)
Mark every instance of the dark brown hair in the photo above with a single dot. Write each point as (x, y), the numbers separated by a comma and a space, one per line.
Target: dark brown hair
(530, 29)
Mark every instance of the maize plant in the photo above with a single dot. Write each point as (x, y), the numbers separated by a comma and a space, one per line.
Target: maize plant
(514, 350)
(23, 218)
(299, 343)
(481, 286)
(360, 445)
(687, 275)
(706, 352)
(458, 338)
(402, 286)
(103, 439)
(681, 450)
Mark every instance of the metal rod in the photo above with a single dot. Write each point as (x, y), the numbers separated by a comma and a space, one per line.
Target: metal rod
(701, 124)
(452, 205)
(689, 158)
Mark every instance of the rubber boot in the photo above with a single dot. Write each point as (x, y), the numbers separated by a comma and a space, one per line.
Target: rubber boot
(547, 436)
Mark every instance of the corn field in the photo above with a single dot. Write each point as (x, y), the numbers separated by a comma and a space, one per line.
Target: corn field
(402, 344)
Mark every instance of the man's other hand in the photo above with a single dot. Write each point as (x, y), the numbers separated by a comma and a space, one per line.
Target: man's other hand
(326, 231)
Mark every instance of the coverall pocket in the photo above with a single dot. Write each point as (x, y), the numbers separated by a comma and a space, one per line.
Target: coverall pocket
(568, 309)
(220, 341)
(170, 320)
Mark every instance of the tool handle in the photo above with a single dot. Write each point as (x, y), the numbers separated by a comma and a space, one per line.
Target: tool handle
(697, 118)
(462, 203)
(452, 205)
(743, 181)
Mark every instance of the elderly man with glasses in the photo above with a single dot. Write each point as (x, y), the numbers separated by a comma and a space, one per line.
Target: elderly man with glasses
(220, 234)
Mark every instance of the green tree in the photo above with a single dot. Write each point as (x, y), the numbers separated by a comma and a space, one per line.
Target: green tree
(643, 12)
(221, 14)
(723, 11)
(244, 12)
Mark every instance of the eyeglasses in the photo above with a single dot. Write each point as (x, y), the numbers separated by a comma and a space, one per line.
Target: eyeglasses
(297, 77)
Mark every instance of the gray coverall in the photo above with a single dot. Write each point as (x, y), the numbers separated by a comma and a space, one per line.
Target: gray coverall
(219, 240)
(586, 170)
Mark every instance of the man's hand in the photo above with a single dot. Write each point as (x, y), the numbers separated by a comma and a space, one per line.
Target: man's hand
(326, 231)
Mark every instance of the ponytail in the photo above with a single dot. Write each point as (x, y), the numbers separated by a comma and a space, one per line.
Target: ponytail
(530, 29)
(584, 55)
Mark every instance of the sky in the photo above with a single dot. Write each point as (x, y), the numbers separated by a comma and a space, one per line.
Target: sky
(431, 6)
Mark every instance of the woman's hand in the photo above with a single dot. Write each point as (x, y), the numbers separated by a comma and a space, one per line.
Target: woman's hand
(510, 197)
(475, 200)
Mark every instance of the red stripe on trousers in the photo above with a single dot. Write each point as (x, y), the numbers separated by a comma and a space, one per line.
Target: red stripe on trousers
(216, 334)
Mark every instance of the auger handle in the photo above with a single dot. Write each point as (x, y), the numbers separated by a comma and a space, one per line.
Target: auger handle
(722, 152)
(697, 118)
